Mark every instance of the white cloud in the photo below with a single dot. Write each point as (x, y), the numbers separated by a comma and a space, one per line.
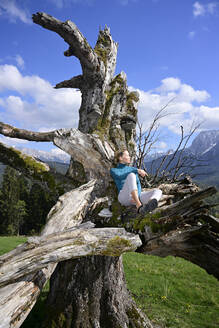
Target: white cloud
(12, 141)
(210, 115)
(198, 9)
(203, 9)
(37, 104)
(169, 84)
(191, 35)
(183, 107)
(20, 61)
(10, 9)
(188, 94)
(17, 58)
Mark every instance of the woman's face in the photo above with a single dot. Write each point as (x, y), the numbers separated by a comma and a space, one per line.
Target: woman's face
(125, 158)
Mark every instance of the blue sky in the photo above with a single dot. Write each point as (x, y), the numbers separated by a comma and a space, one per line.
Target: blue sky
(168, 49)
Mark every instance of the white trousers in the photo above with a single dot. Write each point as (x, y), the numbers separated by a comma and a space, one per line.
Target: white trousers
(130, 184)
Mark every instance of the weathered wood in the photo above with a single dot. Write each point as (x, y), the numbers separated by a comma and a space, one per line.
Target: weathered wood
(179, 233)
(12, 132)
(194, 243)
(98, 66)
(185, 203)
(64, 246)
(213, 221)
(17, 299)
(94, 155)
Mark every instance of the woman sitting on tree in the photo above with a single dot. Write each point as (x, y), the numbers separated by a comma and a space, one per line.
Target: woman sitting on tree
(129, 186)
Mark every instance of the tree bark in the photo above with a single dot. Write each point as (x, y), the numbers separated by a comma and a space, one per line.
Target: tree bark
(99, 297)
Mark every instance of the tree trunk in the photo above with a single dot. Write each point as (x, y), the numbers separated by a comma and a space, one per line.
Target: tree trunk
(107, 111)
(95, 296)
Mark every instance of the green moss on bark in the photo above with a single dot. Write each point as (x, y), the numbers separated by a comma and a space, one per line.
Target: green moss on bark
(116, 246)
(135, 320)
(103, 46)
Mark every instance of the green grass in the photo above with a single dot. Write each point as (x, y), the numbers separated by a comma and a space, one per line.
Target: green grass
(8, 243)
(171, 291)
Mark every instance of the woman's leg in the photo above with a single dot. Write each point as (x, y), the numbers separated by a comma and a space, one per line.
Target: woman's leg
(135, 199)
(128, 191)
(146, 196)
(150, 200)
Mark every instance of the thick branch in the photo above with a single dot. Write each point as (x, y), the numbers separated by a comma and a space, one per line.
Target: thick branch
(89, 150)
(79, 47)
(94, 154)
(12, 132)
(64, 246)
(75, 82)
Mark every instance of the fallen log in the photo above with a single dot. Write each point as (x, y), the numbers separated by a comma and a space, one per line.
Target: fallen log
(63, 246)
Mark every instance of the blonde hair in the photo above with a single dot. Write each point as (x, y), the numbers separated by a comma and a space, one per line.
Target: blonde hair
(119, 154)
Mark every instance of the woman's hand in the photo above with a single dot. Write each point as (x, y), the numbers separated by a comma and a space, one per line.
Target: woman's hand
(142, 173)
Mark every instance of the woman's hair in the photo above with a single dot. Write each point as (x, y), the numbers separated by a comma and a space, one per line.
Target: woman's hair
(118, 155)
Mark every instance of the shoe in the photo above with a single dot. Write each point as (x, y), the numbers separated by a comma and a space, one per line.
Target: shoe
(149, 207)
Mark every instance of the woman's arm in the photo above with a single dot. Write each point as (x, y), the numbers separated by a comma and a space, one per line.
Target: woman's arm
(121, 173)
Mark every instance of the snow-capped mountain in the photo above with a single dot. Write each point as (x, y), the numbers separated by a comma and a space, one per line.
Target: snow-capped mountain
(151, 157)
(205, 150)
(57, 156)
(204, 142)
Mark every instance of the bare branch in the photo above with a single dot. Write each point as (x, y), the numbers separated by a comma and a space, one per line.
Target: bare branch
(149, 135)
(79, 46)
(12, 132)
(75, 82)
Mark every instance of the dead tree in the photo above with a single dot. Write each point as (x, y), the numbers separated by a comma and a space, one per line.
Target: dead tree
(91, 291)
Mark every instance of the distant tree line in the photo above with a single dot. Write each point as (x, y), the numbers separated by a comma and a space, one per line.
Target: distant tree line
(24, 204)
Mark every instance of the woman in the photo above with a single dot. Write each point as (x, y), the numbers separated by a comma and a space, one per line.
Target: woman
(129, 186)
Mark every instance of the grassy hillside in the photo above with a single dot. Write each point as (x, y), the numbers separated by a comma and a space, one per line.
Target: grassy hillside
(172, 292)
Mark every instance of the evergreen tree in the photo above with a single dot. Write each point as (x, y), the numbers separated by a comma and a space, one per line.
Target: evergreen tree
(12, 209)
(39, 204)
